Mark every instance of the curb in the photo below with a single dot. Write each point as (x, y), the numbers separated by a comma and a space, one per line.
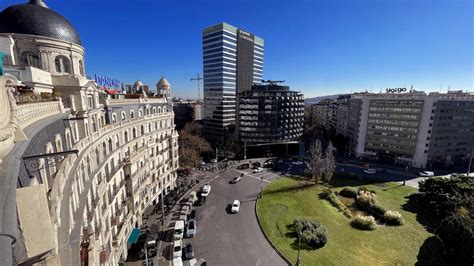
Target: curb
(268, 239)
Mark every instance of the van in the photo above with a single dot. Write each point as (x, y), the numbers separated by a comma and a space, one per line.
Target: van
(179, 229)
(193, 196)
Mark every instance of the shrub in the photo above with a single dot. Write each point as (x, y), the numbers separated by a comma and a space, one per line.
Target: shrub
(366, 199)
(364, 222)
(312, 232)
(332, 198)
(378, 210)
(325, 194)
(393, 218)
(349, 192)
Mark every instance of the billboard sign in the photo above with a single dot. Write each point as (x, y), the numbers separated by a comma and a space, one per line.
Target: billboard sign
(107, 82)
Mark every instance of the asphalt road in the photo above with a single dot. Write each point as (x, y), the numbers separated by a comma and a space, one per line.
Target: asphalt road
(232, 239)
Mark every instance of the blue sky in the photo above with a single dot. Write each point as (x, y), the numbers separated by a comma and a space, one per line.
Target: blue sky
(319, 47)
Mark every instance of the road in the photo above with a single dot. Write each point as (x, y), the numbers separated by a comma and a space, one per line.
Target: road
(233, 239)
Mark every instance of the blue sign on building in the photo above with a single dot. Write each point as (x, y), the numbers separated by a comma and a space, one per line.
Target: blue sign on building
(107, 82)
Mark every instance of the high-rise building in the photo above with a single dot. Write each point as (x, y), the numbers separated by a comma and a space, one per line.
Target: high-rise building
(416, 129)
(270, 114)
(233, 62)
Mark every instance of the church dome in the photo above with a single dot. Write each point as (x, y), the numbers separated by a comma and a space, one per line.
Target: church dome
(35, 18)
(137, 84)
(163, 83)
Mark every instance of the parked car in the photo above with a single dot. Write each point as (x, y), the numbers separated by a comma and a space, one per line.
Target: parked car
(195, 262)
(235, 206)
(177, 248)
(177, 262)
(191, 230)
(213, 161)
(370, 171)
(257, 170)
(426, 173)
(298, 163)
(192, 216)
(188, 252)
(236, 179)
(178, 229)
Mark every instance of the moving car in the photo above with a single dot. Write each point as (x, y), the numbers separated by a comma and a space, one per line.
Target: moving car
(177, 248)
(235, 206)
(370, 171)
(426, 173)
(188, 252)
(205, 190)
(191, 231)
(178, 229)
(258, 170)
(236, 179)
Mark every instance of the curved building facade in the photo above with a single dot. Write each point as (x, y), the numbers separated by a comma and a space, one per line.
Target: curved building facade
(270, 113)
(78, 166)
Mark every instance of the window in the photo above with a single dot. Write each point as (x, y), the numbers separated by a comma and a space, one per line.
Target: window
(62, 64)
(132, 114)
(30, 59)
(81, 67)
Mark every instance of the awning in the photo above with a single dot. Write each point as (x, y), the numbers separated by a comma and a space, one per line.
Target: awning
(109, 91)
(133, 238)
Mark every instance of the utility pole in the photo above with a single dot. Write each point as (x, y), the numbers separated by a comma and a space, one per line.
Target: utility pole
(198, 78)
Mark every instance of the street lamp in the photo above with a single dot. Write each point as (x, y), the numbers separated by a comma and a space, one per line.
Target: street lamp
(405, 176)
(298, 260)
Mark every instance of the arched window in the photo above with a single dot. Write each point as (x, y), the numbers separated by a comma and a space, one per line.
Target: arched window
(159, 110)
(111, 148)
(114, 118)
(132, 114)
(31, 59)
(123, 116)
(140, 113)
(81, 68)
(142, 130)
(125, 136)
(62, 64)
(153, 110)
(164, 109)
(134, 133)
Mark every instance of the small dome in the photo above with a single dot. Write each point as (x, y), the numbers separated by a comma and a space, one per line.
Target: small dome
(163, 83)
(137, 84)
(35, 18)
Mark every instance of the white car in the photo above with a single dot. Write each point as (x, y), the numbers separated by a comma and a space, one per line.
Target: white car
(177, 249)
(426, 173)
(235, 206)
(258, 170)
(298, 163)
(177, 261)
(370, 171)
(205, 190)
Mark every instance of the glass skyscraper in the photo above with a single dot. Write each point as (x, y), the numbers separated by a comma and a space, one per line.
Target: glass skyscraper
(233, 61)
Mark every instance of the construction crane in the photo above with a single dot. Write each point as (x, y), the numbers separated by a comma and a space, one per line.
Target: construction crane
(272, 82)
(199, 78)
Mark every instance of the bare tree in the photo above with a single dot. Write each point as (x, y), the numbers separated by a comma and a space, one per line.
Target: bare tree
(329, 164)
(316, 162)
(191, 146)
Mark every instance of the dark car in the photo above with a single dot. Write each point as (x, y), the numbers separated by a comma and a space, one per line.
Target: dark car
(188, 252)
(192, 215)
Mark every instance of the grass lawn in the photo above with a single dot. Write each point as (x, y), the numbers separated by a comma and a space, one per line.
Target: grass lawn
(284, 199)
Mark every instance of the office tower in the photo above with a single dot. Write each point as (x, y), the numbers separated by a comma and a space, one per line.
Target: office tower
(232, 61)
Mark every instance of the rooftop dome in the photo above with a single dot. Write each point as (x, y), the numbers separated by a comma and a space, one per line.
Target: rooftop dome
(163, 83)
(137, 84)
(35, 18)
